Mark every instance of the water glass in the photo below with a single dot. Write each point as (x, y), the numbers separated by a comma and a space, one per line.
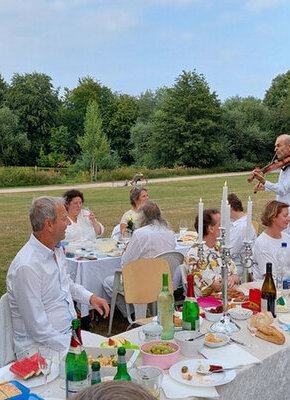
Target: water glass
(182, 227)
(150, 332)
(44, 359)
(150, 378)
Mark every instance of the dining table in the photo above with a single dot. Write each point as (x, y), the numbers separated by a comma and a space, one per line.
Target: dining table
(90, 273)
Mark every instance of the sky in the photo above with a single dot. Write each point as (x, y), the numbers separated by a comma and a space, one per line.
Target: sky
(130, 46)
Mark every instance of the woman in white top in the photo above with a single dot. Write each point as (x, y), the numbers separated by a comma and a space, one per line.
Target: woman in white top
(137, 197)
(267, 246)
(84, 228)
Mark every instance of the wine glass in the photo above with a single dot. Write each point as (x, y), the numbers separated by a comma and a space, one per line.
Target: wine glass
(86, 212)
(126, 236)
(44, 359)
(182, 227)
(252, 330)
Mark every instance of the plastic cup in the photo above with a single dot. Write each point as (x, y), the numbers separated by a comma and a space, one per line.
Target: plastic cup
(150, 378)
(150, 332)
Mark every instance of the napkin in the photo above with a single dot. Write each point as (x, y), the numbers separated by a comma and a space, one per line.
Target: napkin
(176, 390)
(232, 355)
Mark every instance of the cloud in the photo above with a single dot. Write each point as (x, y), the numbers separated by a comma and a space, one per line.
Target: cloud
(258, 5)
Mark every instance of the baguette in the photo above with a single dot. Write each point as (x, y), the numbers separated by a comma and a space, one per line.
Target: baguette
(271, 334)
(262, 318)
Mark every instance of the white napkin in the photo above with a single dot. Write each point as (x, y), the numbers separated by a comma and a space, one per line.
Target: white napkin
(232, 355)
(176, 390)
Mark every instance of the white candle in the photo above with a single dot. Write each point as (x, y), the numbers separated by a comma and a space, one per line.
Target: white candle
(228, 225)
(249, 220)
(200, 221)
(223, 205)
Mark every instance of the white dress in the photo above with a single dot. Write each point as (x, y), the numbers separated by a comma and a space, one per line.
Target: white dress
(81, 233)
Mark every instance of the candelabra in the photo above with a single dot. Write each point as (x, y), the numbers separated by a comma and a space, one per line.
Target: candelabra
(247, 260)
(225, 324)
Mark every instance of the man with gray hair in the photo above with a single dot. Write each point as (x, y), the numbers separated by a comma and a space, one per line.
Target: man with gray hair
(282, 187)
(40, 291)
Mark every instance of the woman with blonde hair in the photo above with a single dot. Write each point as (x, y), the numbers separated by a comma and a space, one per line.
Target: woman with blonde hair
(267, 246)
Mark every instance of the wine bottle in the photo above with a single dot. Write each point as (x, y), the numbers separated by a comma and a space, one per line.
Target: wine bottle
(268, 299)
(165, 310)
(122, 373)
(96, 373)
(76, 365)
(190, 310)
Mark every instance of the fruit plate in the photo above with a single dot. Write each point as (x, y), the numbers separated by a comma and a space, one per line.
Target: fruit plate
(200, 380)
(7, 375)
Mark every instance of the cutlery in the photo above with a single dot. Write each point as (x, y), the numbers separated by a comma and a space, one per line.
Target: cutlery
(238, 342)
(219, 370)
(197, 337)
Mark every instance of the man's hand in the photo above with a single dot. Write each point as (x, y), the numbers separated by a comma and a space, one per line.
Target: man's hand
(259, 186)
(100, 305)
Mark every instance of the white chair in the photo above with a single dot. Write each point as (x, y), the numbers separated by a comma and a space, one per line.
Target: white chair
(7, 353)
(117, 289)
(116, 233)
(174, 259)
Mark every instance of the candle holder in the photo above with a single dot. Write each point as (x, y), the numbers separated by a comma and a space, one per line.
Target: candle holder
(247, 261)
(200, 252)
(225, 324)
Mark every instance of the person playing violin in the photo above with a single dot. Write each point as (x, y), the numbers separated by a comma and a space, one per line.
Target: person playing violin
(282, 187)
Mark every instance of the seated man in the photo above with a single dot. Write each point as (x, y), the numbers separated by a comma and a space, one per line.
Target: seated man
(151, 237)
(40, 291)
(238, 231)
(207, 276)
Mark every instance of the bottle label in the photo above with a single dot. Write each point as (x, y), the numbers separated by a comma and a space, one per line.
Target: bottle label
(190, 326)
(73, 387)
(96, 377)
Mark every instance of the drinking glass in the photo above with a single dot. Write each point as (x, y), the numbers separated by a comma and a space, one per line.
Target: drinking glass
(182, 227)
(86, 212)
(126, 236)
(150, 378)
(44, 358)
(252, 330)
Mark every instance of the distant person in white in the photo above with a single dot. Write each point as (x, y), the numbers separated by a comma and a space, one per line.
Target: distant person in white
(238, 231)
(151, 237)
(282, 187)
(268, 245)
(137, 197)
(39, 289)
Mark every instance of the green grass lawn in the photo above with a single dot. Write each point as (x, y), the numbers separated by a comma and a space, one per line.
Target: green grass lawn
(178, 200)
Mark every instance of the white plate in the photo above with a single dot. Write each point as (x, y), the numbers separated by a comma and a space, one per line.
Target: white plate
(7, 375)
(225, 340)
(216, 379)
(286, 310)
(284, 319)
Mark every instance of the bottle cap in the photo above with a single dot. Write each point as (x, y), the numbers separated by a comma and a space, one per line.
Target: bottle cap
(284, 244)
(121, 351)
(269, 268)
(96, 366)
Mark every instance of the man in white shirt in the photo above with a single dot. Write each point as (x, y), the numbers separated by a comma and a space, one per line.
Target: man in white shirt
(152, 237)
(238, 231)
(282, 187)
(40, 291)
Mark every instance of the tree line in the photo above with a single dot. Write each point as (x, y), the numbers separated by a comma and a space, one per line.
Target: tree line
(183, 125)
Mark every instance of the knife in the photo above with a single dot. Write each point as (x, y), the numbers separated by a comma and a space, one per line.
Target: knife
(238, 342)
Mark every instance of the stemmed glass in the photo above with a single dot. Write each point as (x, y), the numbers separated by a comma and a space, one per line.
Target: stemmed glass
(126, 236)
(252, 330)
(44, 359)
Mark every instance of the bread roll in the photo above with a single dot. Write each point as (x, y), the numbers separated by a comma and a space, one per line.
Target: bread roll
(271, 334)
(261, 319)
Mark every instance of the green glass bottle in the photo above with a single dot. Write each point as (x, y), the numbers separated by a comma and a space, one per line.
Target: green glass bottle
(96, 373)
(122, 374)
(76, 365)
(190, 309)
(165, 310)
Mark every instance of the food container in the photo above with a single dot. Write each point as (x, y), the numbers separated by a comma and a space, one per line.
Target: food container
(210, 316)
(95, 352)
(163, 361)
(189, 346)
(240, 313)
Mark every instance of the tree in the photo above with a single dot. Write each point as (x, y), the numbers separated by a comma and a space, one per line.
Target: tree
(14, 144)
(279, 91)
(186, 129)
(94, 142)
(3, 90)
(246, 124)
(33, 99)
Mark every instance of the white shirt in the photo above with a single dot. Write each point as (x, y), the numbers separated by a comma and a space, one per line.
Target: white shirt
(81, 232)
(238, 235)
(266, 249)
(41, 297)
(128, 214)
(281, 189)
(148, 242)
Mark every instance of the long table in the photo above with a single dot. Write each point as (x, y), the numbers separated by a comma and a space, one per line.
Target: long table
(268, 380)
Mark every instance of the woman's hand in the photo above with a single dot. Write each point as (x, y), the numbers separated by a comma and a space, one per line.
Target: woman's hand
(95, 223)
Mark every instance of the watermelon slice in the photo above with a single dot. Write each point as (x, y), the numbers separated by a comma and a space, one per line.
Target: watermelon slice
(20, 369)
(34, 359)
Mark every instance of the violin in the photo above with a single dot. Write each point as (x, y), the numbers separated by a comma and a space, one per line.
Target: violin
(272, 166)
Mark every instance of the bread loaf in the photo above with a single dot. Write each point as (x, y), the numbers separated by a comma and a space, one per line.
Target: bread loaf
(271, 334)
(262, 318)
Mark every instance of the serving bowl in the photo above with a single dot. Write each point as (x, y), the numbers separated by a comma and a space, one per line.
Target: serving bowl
(240, 313)
(210, 316)
(163, 361)
(189, 346)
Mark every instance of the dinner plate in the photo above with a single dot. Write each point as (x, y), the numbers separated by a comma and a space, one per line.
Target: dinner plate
(208, 380)
(7, 375)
